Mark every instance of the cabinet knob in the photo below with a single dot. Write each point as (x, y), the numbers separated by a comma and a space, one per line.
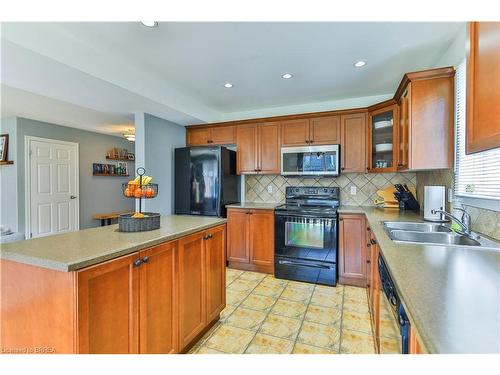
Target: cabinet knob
(137, 262)
(311, 141)
(205, 237)
(368, 228)
(342, 168)
(372, 241)
(400, 164)
(368, 261)
(368, 245)
(145, 260)
(210, 235)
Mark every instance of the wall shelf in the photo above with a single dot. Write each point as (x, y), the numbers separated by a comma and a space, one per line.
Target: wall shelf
(110, 175)
(6, 162)
(120, 159)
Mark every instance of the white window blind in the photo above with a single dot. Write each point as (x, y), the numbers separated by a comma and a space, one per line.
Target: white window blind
(476, 175)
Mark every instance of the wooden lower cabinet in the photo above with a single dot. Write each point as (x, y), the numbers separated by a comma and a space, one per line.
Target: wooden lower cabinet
(157, 300)
(108, 307)
(250, 239)
(352, 250)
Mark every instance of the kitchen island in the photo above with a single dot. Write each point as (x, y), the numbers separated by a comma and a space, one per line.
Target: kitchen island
(103, 291)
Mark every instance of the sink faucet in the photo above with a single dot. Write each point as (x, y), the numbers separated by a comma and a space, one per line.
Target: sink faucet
(464, 222)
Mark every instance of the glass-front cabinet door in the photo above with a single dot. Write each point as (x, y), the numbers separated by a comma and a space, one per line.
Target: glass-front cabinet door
(383, 140)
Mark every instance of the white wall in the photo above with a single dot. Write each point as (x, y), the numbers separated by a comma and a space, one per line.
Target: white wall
(8, 178)
(155, 142)
(456, 51)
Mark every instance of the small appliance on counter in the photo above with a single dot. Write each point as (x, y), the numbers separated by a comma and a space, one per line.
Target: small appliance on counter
(434, 199)
(406, 198)
(386, 198)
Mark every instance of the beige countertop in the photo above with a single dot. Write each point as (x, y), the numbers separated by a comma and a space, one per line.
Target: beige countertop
(451, 294)
(254, 205)
(80, 249)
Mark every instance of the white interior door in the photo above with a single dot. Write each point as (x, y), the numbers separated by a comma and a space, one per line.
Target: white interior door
(53, 204)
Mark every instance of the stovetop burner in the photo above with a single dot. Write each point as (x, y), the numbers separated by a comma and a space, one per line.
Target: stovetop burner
(311, 200)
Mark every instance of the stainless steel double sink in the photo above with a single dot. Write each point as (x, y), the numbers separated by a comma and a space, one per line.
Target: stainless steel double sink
(426, 233)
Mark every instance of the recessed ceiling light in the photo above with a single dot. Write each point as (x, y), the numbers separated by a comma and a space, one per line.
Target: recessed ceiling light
(286, 76)
(130, 135)
(360, 63)
(228, 85)
(150, 23)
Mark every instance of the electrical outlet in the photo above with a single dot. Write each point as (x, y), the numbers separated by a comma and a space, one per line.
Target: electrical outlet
(270, 189)
(354, 190)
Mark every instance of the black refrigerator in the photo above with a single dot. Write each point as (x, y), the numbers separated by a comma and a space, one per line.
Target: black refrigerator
(205, 180)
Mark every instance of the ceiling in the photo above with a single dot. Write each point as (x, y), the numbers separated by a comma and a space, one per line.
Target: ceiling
(177, 70)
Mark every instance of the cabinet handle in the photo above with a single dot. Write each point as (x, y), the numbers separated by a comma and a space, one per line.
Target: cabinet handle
(145, 260)
(210, 235)
(137, 262)
(400, 164)
(368, 261)
(372, 241)
(368, 229)
(368, 245)
(311, 141)
(342, 168)
(205, 237)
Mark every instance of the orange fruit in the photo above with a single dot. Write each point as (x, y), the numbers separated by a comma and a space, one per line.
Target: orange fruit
(138, 193)
(128, 193)
(150, 192)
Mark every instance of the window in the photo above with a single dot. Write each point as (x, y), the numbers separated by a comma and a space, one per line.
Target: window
(477, 176)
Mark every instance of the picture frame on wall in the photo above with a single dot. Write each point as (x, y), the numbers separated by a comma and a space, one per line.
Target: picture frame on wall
(4, 147)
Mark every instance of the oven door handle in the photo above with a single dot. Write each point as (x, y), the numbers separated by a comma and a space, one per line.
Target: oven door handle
(288, 262)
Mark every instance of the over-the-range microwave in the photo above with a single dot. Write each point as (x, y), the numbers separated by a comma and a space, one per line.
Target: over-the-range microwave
(310, 161)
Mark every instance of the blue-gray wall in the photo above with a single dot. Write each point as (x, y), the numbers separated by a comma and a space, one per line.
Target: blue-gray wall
(97, 194)
(156, 140)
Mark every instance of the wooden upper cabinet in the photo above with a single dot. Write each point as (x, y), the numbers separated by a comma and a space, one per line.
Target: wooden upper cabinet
(325, 130)
(258, 148)
(223, 135)
(237, 235)
(261, 237)
(192, 288)
(268, 153)
(427, 101)
(197, 137)
(246, 153)
(215, 257)
(216, 135)
(353, 143)
(483, 87)
(108, 307)
(295, 132)
(158, 300)
(382, 139)
(352, 250)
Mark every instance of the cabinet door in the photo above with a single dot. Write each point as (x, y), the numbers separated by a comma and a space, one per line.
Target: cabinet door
(382, 147)
(196, 137)
(246, 143)
(325, 130)
(352, 250)
(192, 287)
(261, 238)
(223, 135)
(353, 145)
(108, 307)
(215, 256)
(483, 82)
(295, 132)
(269, 148)
(158, 300)
(237, 235)
(403, 129)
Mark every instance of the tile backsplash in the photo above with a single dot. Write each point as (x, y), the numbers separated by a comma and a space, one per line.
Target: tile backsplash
(367, 184)
(482, 220)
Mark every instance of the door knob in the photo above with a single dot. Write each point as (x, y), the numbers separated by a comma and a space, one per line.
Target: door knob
(72, 197)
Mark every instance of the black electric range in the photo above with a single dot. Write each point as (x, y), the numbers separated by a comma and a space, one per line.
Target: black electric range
(306, 235)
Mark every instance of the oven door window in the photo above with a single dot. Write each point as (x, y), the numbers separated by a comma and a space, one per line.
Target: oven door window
(302, 234)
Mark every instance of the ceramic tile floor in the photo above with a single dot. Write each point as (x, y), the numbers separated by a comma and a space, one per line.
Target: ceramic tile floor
(268, 315)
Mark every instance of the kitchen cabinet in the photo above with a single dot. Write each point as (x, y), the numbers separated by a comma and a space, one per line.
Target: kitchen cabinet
(216, 135)
(352, 250)
(158, 300)
(215, 258)
(382, 146)
(314, 131)
(483, 81)
(258, 148)
(353, 142)
(192, 288)
(426, 101)
(250, 239)
(108, 307)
